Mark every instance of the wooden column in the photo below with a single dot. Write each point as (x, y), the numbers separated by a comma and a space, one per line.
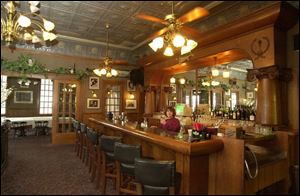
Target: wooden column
(270, 108)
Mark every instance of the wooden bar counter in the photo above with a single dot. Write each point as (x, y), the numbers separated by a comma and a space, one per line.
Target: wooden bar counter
(192, 159)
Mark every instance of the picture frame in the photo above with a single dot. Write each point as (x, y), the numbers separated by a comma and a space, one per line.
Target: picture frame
(130, 104)
(130, 86)
(24, 97)
(250, 95)
(94, 82)
(93, 103)
(173, 86)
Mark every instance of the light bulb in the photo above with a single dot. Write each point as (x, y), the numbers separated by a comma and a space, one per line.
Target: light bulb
(159, 42)
(153, 46)
(178, 41)
(226, 74)
(108, 75)
(214, 72)
(97, 72)
(103, 71)
(168, 51)
(131, 96)
(114, 72)
(24, 21)
(182, 81)
(185, 49)
(34, 9)
(172, 80)
(215, 83)
(35, 39)
(191, 44)
(27, 36)
(48, 25)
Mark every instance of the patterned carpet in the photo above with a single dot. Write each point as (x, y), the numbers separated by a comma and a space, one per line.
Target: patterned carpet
(36, 167)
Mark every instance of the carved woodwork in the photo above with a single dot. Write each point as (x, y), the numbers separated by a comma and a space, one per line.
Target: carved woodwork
(270, 108)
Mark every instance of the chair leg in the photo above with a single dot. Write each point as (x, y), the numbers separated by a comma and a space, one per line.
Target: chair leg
(103, 177)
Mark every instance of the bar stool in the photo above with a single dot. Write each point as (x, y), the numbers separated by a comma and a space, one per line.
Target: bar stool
(76, 129)
(92, 146)
(45, 127)
(23, 127)
(155, 177)
(38, 127)
(124, 156)
(108, 166)
(16, 127)
(83, 143)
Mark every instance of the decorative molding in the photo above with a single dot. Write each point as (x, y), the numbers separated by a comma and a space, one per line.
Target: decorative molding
(271, 72)
(259, 46)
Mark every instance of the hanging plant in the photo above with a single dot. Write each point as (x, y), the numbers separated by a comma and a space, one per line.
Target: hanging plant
(25, 65)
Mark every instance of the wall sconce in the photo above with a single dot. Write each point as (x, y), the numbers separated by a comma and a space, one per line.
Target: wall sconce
(172, 80)
(225, 74)
(94, 94)
(182, 80)
(131, 96)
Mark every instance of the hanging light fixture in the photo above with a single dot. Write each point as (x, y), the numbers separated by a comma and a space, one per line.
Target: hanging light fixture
(172, 80)
(226, 73)
(16, 26)
(173, 40)
(106, 69)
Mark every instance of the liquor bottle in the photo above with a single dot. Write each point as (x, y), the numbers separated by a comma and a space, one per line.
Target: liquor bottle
(238, 113)
(242, 112)
(230, 113)
(252, 116)
(234, 114)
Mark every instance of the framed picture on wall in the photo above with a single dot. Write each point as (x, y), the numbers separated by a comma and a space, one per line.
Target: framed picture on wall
(94, 83)
(23, 97)
(130, 86)
(250, 95)
(93, 103)
(173, 86)
(130, 104)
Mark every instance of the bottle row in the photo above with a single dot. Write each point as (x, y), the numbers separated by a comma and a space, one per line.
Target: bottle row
(239, 112)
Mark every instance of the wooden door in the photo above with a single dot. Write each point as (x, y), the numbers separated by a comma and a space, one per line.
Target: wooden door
(65, 109)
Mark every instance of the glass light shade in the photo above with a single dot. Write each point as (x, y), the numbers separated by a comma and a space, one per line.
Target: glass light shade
(52, 36)
(215, 83)
(182, 81)
(185, 49)
(46, 35)
(34, 3)
(226, 74)
(153, 46)
(255, 89)
(214, 72)
(168, 51)
(178, 41)
(27, 36)
(35, 39)
(172, 80)
(191, 44)
(114, 72)
(131, 96)
(48, 25)
(97, 72)
(103, 71)
(34, 9)
(159, 42)
(108, 75)
(205, 83)
(24, 21)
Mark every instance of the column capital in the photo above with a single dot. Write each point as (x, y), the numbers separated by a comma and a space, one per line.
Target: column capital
(271, 72)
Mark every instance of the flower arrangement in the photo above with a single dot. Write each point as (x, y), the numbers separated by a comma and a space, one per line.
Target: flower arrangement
(5, 92)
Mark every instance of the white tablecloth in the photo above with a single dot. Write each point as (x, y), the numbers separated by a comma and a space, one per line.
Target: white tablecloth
(30, 120)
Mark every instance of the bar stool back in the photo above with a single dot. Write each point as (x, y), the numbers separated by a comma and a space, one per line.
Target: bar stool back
(156, 177)
(108, 166)
(83, 142)
(125, 155)
(76, 129)
(92, 146)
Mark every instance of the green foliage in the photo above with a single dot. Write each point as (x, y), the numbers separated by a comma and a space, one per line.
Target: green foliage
(26, 66)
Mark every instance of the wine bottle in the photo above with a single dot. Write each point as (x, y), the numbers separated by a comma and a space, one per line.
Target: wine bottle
(234, 114)
(252, 116)
(238, 114)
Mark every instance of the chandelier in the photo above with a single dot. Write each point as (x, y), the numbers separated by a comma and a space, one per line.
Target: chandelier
(172, 40)
(16, 26)
(106, 69)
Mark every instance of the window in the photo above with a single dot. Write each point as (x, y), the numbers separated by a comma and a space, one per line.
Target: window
(4, 83)
(233, 100)
(113, 100)
(46, 97)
